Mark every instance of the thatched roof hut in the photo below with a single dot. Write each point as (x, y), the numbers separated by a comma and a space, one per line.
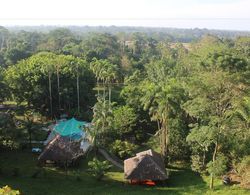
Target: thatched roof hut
(61, 150)
(147, 165)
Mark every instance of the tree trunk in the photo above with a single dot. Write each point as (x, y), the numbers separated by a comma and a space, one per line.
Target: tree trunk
(58, 89)
(109, 95)
(104, 91)
(214, 158)
(165, 149)
(204, 158)
(212, 181)
(78, 94)
(98, 87)
(164, 140)
(50, 96)
(158, 125)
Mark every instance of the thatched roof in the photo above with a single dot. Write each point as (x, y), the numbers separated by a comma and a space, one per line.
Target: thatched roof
(61, 150)
(147, 165)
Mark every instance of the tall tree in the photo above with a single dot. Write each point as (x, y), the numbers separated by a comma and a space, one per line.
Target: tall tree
(102, 119)
(212, 99)
(162, 100)
(105, 72)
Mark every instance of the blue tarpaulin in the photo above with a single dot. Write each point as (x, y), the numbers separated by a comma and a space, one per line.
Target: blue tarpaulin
(72, 128)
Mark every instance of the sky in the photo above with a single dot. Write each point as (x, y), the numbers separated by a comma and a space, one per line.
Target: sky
(211, 14)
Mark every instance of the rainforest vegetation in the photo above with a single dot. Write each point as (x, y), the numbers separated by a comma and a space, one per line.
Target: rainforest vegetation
(186, 94)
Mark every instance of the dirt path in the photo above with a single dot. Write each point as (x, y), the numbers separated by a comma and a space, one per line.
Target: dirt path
(110, 159)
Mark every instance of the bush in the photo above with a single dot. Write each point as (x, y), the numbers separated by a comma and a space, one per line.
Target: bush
(98, 168)
(6, 190)
(124, 120)
(219, 166)
(243, 169)
(123, 149)
(8, 132)
(197, 164)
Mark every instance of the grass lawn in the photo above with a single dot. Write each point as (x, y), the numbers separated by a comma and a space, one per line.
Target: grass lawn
(78, 181)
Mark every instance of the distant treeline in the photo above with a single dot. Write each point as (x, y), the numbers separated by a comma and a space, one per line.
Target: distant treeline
(159, 33)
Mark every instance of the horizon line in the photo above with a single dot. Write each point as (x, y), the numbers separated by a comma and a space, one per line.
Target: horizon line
(127, 26)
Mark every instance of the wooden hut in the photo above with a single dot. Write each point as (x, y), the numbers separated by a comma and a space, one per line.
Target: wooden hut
(147, 166)
(61, 150)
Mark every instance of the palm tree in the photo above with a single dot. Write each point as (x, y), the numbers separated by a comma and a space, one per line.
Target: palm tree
(243, 112)
(108, 74)
(58, 64)
(75, 65)
(50, 95)
(47, 69)
(101, 120)
(96, 66)
(160, 100)
(77, 86)
(111, 76)
(103, 75)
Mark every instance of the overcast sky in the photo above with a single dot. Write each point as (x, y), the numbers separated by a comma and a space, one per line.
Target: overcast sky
(212, 14)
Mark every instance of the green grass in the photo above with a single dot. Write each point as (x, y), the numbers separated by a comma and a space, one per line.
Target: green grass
(57, 181)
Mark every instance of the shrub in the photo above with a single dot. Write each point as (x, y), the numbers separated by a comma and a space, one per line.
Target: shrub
(219, 166)
(98, 168)
(6, 190)
(8, 131)
(197, 164)
(123, 149)
(124, 120)
(243, 169)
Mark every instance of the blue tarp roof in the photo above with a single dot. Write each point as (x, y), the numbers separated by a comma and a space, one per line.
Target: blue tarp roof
(71, 128)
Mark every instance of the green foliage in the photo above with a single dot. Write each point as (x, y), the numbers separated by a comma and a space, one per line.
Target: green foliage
(197, 163)
(98, 168)
(243, 169)
(162, 100)
(123, 149)
(104, 70)
(192, 99)
(219, 166)
(35, 80)
(4, 91)
(124, 120)
(226, 60)
(101, 46)
(178, 146)
(56, 40)
(101, 122)
(132, 92)
(8, 132)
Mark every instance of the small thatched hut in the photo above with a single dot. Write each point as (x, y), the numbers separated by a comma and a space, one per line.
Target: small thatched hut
(145, 166)
(61, 150)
